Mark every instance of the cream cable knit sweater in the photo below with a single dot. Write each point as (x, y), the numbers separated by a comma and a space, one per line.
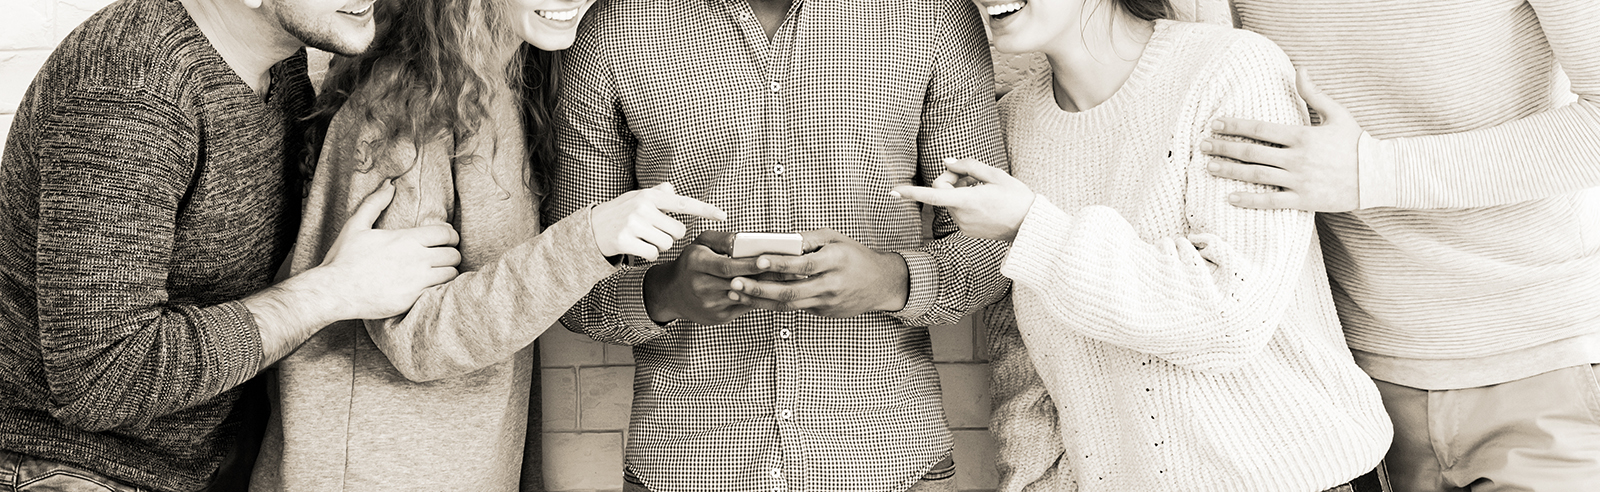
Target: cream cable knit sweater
(1189, 344)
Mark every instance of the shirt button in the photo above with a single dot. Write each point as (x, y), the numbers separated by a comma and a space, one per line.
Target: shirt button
(776, 87)
(776, 473)
(785, 414)
(777, 169)
(784, 333)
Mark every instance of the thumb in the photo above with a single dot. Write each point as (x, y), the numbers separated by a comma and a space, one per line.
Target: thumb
(1317, 100)
(936, 197)
(371, 207)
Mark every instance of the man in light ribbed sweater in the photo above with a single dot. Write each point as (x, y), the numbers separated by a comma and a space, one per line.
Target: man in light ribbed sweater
(1465, 247)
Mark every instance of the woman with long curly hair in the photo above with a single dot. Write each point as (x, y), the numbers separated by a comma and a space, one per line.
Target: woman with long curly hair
(449, 112)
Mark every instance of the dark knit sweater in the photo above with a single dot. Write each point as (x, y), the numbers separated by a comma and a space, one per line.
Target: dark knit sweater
(144, 191)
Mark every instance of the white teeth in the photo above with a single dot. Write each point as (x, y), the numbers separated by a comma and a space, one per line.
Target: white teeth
(1005, 8)
(358, 12)
(559, 15)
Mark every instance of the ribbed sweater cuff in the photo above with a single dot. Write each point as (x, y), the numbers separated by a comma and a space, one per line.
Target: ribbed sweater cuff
(230, 329)
(1375, 170)
(1038, 244)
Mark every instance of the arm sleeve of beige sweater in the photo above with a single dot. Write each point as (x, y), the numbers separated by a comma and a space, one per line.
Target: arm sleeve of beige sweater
(1209, 299)
(483, 316)
(1546, 154)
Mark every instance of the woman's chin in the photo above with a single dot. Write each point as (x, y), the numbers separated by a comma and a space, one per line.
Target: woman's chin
(550, 40)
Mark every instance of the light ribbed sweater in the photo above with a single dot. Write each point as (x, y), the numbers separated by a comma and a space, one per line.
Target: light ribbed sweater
(1487, 269)
(1188, 344)
(437, 398)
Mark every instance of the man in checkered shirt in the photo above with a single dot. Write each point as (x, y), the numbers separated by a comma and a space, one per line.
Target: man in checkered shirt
(792, 116)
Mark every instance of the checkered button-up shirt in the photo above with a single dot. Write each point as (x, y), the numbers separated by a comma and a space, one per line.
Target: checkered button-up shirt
(806, 130)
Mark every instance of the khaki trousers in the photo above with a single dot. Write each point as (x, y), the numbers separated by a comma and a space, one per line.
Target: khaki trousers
(1540, 434)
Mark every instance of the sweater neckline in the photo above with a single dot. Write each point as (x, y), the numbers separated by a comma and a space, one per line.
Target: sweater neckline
(1111, 110)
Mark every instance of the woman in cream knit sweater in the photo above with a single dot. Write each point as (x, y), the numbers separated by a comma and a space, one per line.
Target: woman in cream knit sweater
(1179, 343)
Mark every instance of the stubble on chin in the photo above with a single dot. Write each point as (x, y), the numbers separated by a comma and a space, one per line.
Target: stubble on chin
(322, 36)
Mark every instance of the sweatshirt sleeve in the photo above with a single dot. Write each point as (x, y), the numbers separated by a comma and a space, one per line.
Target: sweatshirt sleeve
(481, 317)
(484, 316)
(114, 167)
(1209, 299)
(1546, 154)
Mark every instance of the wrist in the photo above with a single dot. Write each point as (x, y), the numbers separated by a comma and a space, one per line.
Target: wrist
(655, 283)
(898, 274)
(321, 302)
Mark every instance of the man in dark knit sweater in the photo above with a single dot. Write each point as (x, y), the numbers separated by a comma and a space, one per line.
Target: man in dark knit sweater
(148, 193)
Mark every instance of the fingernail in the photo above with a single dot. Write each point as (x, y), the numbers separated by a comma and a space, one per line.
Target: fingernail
(948, 160)
(733, 296)
(763, 262)
(895, 194)
(736, 284)
(1233, 198)
(1217, 125)
(1205, 146)
(1213, 167)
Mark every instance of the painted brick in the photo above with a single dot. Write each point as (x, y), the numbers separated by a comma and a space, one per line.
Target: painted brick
(16, 72)
(952, 342)
(559, 387)
(966, 394)
(26, 25)
(70, 13)
(619, 354)
(975, 452)
(605, 396)
(587, 461)
(5, 129)
(559, 347)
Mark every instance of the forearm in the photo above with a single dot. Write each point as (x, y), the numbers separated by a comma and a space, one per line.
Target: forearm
(949, 277)
(1544, 155)
(289, 313)
(485, 316)
(614, 311)
(1090, 273)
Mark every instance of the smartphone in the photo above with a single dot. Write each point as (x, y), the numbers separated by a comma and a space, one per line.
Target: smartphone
(747, 244)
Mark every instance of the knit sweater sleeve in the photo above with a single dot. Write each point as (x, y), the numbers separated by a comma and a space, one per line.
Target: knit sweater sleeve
(1543, 155)
(114, 167)
(1208, 299)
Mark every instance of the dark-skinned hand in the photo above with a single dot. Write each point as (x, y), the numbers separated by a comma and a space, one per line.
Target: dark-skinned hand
(842, 278)
(694, 286)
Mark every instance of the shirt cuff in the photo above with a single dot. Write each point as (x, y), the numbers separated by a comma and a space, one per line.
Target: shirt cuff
(922, 273)
(632, 317)
(1375, 170)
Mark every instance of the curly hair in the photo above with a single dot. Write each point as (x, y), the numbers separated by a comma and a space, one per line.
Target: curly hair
(427, 64)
